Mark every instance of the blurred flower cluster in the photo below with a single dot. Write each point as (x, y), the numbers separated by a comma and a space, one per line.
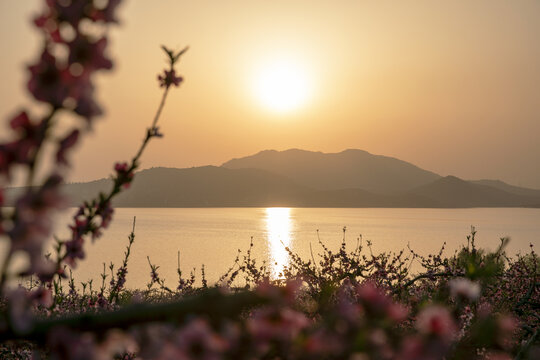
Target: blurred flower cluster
(341, 304)
(74, 49)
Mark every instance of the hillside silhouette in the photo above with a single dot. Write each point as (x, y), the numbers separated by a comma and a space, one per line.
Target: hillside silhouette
(451, 191)
(298, 178)
(349, 169)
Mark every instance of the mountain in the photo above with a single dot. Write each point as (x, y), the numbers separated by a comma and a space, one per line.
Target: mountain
(211, 186)
(508, 188)
(309, 184)
(451, 191)
(349, 169)
(205, 186)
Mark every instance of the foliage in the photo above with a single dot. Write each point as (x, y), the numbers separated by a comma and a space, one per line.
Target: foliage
(345, 304)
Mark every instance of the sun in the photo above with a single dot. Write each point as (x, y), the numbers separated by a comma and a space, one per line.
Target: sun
(282, 85)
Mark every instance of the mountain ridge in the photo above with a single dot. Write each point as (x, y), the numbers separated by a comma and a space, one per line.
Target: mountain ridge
(221, 186)
(455, 192)
(351, 168)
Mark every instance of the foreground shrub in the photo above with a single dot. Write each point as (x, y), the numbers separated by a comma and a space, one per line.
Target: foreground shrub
(355, 305)
(451, 310)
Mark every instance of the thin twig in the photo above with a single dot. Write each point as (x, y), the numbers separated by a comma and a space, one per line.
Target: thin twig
(422, 276)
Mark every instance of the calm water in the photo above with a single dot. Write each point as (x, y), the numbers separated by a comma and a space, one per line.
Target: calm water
(213, 236)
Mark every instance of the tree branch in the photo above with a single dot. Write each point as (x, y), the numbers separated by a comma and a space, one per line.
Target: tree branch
(212, 303)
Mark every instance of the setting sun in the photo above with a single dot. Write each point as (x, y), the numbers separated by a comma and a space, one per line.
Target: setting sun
(269, 179)
(282, 86)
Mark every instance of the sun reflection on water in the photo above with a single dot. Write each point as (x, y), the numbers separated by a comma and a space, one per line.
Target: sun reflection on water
(278, 227)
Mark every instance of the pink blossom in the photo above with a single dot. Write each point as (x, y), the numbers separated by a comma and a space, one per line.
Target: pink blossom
(82, 96)
(397, 312)
(34, 222)
(372, 297)
(49, 26)
(276, 324)
(121, 167)
(285, 293)
(89, 54)
(49, 82)
(107, 14)
(78, 229)
(74, 247)
(86, 106)
(464, 288)
(42, 296)
(412, 349)
(123, 174)
(72, 345)
(20, 151)
(21, 121)
(8, 157)
(323, 342)
(71, 12)
(198, 340)
(436, 320)
(46, 269)
(484, 309)
(74, 251)
(378, 303)
(506, 328)
(169, 78)
(100, 211)
(65, 144)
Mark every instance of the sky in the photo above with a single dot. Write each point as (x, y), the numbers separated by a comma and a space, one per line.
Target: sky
(450, 86)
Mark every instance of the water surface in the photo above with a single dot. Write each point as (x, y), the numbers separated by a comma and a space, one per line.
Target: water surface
(212, 236)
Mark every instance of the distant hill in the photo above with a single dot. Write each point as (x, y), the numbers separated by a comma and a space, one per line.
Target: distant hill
(205, 186)
(349, 169)
(509, 188)
(211, 186)
(310, 184)
(451, 191)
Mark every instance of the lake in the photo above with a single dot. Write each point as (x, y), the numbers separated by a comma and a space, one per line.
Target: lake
(212, 236)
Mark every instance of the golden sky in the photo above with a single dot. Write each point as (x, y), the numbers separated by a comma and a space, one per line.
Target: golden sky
(451, 86)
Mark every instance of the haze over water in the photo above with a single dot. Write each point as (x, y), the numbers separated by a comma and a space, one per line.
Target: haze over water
(212, 236)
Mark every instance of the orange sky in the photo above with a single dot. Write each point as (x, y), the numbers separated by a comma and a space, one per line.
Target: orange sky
(453, 87)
